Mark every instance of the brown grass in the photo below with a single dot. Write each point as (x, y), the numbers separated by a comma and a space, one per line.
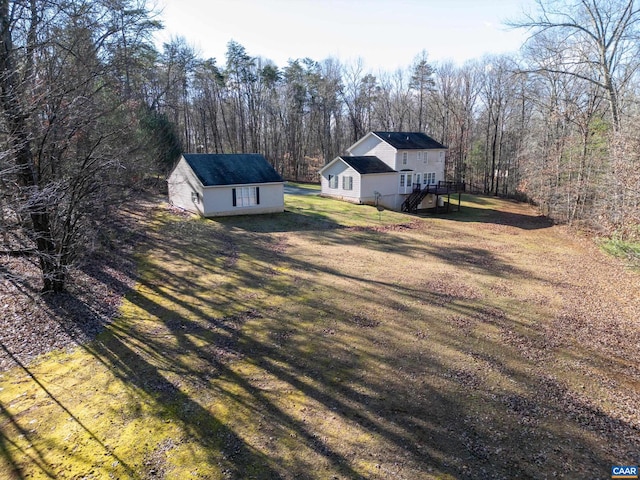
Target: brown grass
(329, 342)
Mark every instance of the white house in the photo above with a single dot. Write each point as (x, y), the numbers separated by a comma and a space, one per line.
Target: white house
(386, 168)
(215, 185)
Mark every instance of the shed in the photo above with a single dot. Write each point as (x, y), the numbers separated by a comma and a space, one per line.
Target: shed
(225, 184)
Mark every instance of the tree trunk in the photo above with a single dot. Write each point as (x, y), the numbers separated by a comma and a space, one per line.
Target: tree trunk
(11, 87)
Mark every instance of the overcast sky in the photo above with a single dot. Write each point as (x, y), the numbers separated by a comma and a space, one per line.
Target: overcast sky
(386, 34)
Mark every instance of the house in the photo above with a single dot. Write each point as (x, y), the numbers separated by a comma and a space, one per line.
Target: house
(214, 185)
(397, 170)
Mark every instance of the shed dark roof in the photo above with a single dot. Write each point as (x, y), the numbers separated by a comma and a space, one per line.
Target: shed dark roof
(231, 168)
(409, 140)
(367, 164)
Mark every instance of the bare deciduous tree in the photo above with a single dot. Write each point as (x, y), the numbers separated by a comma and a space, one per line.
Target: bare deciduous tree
(596, 41)
(62, 97)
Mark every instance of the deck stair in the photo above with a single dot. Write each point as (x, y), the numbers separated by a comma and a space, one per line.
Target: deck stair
(410, 204)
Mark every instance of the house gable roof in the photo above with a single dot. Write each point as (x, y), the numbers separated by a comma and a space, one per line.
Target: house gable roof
(367, 164)
(409, 140)
(231, 168)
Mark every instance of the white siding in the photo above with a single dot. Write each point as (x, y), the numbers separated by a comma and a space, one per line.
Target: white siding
(363, 147)
(218, 200)
(341, 169)
(436, 162)
(182, 185)
(386, 153)
(416, 162)
(372, 145)
(385, 185)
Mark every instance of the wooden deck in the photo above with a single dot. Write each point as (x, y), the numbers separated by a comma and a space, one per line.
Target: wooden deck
(439, 189)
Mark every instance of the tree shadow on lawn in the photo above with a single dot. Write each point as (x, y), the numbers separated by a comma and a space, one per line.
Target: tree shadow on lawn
(585, 427)
(142, 370)
(219, 341)
(500, 217)
(42, 449)
(8, 445)
(287, 221)
(456, 425)
(427, 428)
(142, 362)
(425, 417)
(298, 219)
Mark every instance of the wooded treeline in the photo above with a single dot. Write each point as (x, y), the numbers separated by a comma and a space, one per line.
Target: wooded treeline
(90, 108)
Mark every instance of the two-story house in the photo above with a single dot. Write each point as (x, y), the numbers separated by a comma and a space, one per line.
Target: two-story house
(385, 168)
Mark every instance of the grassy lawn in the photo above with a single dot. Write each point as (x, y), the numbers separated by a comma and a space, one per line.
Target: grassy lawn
(334, 341)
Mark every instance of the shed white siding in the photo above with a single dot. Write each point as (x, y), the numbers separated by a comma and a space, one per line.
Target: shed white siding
(218, 200)
(185, 190)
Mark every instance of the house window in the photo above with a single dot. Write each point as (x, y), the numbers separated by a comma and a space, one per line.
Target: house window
(245, 196)
(425, 156)
(333, 181)
(405, 180)
(430, 178)
(441, 156)
(404, 158)
(347, 183)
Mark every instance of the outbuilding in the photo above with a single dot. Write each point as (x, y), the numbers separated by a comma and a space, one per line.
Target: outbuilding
(214, 185)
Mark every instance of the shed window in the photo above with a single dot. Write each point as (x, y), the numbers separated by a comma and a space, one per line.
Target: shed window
(245, 196)
(347, 183)
(195, 197)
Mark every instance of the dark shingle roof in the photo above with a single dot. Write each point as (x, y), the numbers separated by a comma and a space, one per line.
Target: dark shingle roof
(409, 140)
(367, 164)
(231, 168)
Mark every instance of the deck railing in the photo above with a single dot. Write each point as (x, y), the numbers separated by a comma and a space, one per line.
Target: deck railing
(440, 187)
(420, 191)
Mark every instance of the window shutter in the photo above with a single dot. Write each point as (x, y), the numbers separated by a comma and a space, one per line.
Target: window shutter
(257, 195)
(233, 193)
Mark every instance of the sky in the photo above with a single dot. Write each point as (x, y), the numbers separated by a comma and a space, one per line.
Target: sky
(385, 34)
